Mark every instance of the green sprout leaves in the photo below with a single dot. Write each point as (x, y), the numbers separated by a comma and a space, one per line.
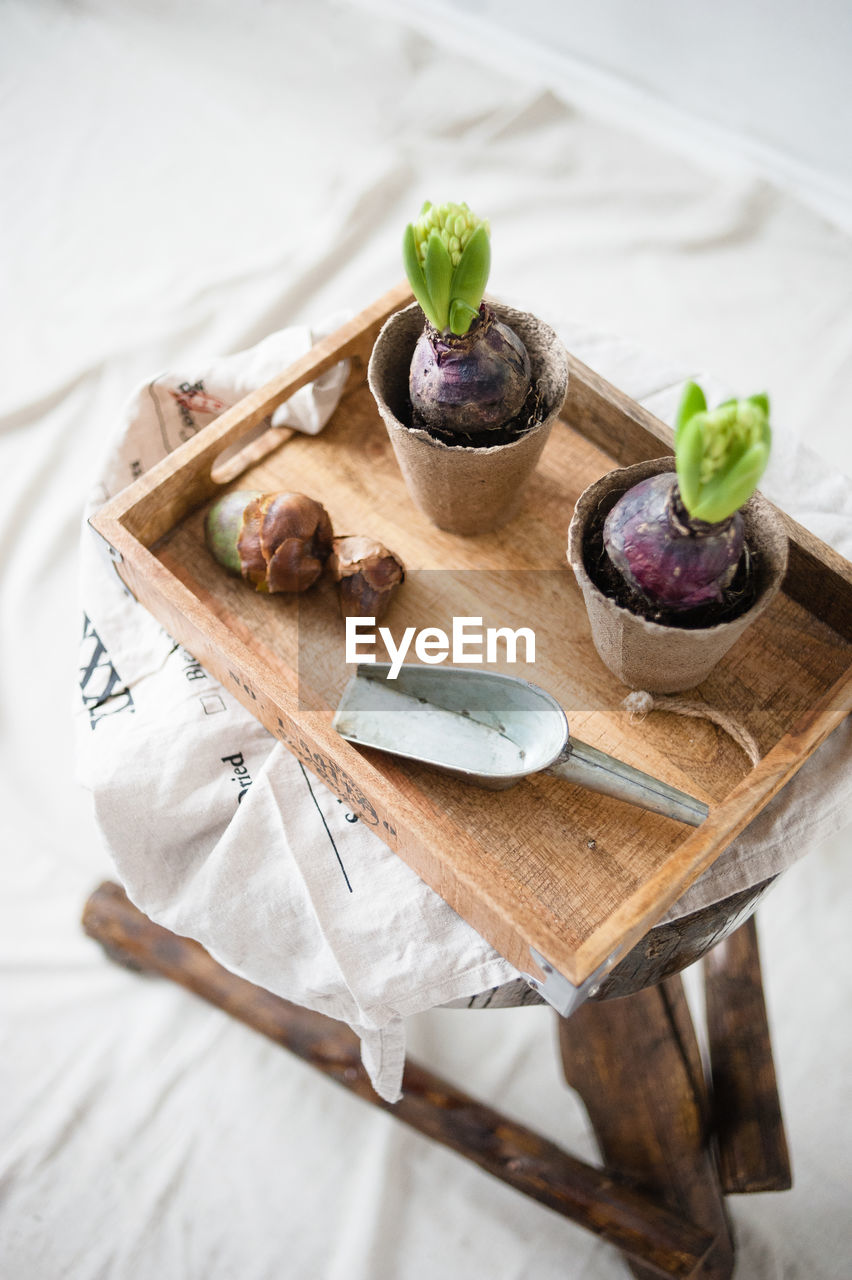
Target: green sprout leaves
(447, 257)
(720, 454)
(415, 273)
(439, 276)
(692, 401)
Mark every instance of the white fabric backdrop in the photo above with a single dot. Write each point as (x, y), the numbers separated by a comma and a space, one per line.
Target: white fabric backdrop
(176, 183)
(724, 78)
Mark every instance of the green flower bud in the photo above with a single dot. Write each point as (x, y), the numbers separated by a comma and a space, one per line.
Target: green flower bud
(720, 454)
(447, 258)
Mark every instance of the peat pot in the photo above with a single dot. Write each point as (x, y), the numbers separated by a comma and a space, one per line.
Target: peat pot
(650, 655)
(464, 489)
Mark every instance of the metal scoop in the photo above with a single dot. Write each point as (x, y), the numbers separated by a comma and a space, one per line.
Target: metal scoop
(492, 730)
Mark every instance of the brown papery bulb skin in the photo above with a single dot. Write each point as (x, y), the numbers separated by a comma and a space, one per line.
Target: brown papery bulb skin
(368, 576)
(284, 542)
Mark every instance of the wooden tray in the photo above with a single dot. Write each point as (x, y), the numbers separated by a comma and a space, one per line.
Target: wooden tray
(575, 876)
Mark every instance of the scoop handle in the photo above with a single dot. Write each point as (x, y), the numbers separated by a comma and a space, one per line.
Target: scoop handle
(598, 771)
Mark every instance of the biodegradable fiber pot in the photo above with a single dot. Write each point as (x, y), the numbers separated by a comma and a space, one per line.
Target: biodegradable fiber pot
(463, 489)
(650, 655)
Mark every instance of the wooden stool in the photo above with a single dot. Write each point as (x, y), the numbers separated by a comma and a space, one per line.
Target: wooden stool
(673, 1145)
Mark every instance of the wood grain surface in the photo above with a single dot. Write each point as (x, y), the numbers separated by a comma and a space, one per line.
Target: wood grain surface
(578, 876)
(636, 1065)
(749, 1127)
(674, 945)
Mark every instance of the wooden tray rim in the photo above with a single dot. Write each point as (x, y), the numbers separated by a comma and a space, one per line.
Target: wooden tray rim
(137, 517)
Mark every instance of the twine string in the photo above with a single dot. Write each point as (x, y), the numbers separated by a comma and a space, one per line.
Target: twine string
(640, 703)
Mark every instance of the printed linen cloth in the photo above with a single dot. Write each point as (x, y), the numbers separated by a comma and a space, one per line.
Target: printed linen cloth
(215, 830)
(219, 834)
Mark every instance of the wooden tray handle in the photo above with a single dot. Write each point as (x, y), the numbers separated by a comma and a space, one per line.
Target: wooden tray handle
(189, 475)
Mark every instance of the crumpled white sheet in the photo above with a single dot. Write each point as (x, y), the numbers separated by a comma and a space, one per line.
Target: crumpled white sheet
(220, 834)
(157, 206)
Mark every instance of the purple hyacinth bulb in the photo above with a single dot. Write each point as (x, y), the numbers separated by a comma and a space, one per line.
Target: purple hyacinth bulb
(673, 561)
(472, 382)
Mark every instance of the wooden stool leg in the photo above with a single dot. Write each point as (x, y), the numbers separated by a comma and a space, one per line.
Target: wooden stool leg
(591, 1197)
(749, 1127)
(636, 1064)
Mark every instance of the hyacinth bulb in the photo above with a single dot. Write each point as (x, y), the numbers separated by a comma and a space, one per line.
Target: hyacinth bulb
(671, 561)
(470, 372)
(276, 541)
(677, 538)
(470, 384)
(368, 576)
